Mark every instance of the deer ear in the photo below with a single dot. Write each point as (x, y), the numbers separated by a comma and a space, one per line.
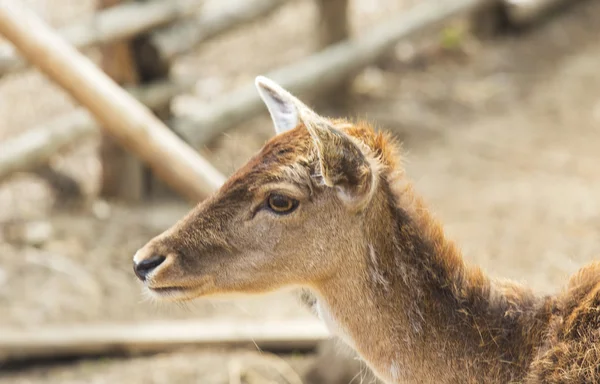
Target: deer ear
(282, 106)
(342, 164)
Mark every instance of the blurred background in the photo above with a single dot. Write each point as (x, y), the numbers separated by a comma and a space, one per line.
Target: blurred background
(497, 105)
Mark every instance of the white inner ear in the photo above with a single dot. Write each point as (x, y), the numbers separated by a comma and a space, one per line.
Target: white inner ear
(281, 104)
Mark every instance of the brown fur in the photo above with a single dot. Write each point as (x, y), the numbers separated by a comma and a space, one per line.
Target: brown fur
(385, 276)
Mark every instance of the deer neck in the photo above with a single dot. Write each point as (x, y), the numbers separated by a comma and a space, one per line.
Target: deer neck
(416, 313)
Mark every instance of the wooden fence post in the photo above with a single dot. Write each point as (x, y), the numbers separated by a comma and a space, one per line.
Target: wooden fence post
(132, 62)
(333, 22)
(151, 68)
(122, 173)
(333, 28)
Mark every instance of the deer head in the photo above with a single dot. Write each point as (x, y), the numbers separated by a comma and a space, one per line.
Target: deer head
(293, 215)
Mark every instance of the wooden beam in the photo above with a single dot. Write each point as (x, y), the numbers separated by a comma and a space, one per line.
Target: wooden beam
(112, 24)
(151, 68)
(333, 28)
(122, 173)
(181, 38)
(128, 121)
(333, 22)
(321, 71)
(107, 339)
(131, 19)
(37, 145)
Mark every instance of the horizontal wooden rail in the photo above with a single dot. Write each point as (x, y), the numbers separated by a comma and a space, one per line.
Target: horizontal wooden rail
(107, 339)
(116, 23)
(183, 37)
(131, 19)
(131, 124)
(320, 71)
(37, 145)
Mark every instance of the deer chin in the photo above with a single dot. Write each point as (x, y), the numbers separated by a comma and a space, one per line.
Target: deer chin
(182, 292)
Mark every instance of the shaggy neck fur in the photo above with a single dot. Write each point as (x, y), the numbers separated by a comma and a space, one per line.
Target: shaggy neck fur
(416, 313)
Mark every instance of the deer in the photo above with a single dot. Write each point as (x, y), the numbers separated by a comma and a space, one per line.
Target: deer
(326, 206)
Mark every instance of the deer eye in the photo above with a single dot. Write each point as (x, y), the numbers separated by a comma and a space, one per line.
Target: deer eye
(281, 204)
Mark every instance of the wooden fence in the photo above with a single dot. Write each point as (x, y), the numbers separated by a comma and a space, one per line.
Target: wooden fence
(141, 39)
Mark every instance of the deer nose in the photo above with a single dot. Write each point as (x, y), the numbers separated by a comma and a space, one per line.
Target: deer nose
(143, 268)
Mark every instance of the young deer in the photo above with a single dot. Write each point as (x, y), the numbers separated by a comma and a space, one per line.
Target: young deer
(326, 206)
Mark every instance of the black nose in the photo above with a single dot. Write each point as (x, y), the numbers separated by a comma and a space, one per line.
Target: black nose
(144, 267)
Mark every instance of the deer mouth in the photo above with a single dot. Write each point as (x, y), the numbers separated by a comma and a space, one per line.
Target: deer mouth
(166, 290)
(180, 292)
(173, 293)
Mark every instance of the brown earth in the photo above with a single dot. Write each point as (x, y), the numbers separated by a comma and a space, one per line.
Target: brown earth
(501, 138)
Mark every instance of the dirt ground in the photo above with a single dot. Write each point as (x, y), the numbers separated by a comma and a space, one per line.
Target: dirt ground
(501, 138)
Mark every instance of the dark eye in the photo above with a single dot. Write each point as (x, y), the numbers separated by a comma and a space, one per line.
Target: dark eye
(281, 204)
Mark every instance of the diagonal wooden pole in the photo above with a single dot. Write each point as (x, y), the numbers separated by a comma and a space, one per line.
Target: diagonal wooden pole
(131, 124)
